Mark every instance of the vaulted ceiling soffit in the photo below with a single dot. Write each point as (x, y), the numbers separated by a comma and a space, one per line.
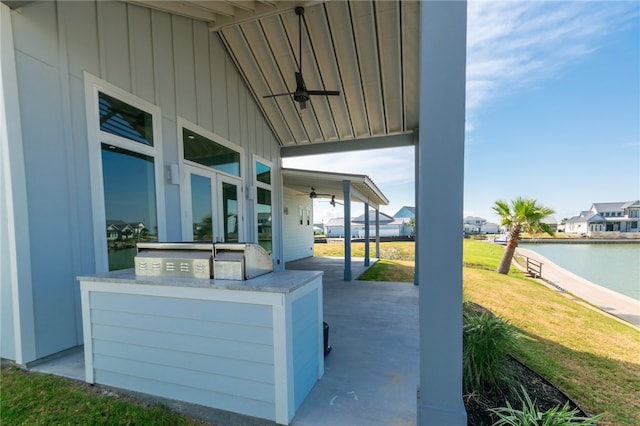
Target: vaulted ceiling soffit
(366, 50)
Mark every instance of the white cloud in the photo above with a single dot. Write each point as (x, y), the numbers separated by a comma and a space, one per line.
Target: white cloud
(383, 166)
(392, 170)
(512, 45)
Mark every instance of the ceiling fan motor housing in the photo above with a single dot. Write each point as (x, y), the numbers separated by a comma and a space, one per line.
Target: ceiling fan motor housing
(301, 96)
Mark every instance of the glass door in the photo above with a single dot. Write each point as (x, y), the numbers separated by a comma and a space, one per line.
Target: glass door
(230, 209)
(202, 207)
(214, 207)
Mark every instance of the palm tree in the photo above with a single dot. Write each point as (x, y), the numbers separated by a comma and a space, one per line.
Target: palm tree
(412, 224)
(522, 215)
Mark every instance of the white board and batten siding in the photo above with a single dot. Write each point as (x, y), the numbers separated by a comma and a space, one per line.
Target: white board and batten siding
(298, 236)
(172, 62)
(258, 353)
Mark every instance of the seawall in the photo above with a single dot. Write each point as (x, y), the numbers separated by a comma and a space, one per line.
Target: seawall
(579, 241)
(617, 304)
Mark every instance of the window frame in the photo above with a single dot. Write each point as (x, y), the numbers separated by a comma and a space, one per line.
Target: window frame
(189, 166)
(258, 184)
(96, 137)
(186, 124)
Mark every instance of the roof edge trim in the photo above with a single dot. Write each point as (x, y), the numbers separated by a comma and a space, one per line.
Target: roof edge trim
(376, 142)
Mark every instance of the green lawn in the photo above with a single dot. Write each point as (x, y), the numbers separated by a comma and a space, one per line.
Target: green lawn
(397, 250)
(398, 258)
(42, 399)
(591, 356)
(390, 270)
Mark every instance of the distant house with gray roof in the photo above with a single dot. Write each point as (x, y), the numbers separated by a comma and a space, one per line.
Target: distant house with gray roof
(406, 212)
(404, 219)
(551, 221)
(389, 226)
(606, 220)
(121, 230)
(479, 225)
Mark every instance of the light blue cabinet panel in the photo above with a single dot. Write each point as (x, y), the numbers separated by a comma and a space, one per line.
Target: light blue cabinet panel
(232, 403)
(242, 313)
(197, 344)
(260, 357)
(254, 371)
(305, 345)
(176, 375)
(193, 327)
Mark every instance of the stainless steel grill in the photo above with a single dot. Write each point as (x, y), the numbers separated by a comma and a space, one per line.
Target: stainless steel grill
(174, 260)
(227, 261)
(240, 261)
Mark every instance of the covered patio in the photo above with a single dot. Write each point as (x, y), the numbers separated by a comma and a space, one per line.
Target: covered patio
(220, 68)
(371, 373)
(350, 187)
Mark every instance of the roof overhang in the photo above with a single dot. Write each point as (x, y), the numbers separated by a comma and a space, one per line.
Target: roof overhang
(328, 184)
(366, 50)
(15, 4)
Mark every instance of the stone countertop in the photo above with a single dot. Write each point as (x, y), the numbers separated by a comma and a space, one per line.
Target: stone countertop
(273, 282)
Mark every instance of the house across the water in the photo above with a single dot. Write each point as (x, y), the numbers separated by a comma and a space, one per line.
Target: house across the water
(388, 226)
(478, 225)
(609, 220)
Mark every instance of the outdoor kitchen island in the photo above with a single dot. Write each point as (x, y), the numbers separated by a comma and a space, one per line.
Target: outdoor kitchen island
(253, 347)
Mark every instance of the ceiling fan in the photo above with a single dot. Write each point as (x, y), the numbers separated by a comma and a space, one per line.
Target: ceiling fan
(333, 201)
(313, 194)
(301, 95)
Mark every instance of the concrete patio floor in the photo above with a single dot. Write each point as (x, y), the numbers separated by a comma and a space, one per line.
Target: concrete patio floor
(371, 374)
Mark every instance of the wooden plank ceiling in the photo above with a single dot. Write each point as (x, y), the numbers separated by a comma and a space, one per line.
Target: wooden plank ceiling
(367, 50)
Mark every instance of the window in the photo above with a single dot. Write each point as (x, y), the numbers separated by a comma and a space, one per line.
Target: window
(121, 119)
(263, 173)
(201, 208)
(264, 205)
(206, 152)
(129, 201)
(230, 212)
(126, 173)
(265, 232)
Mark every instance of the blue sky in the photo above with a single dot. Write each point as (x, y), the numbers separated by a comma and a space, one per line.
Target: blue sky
(553, 111)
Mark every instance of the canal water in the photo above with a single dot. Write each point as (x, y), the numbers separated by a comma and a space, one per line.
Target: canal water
(614, 266)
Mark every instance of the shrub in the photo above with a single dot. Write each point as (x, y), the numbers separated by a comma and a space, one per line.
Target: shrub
(530, 416)
(487, 340)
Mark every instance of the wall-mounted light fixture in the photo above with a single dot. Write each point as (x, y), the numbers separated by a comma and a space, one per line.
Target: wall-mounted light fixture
(173, 174)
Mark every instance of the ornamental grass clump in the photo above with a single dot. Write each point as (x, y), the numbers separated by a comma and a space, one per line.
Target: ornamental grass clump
(530, 416)
(487, 341)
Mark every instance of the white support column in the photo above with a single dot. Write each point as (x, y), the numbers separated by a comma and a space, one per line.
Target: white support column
(367, 260)
(377, 233)
(14, 217)
(346, 187)
(416, 273)
(441, 176)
